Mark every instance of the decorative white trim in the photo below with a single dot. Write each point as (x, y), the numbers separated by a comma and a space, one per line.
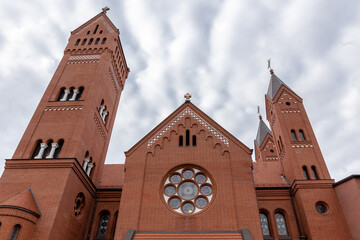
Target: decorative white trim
(83, 59)
(291, 111)
(306, 146)
(188, 111)
(62, 108)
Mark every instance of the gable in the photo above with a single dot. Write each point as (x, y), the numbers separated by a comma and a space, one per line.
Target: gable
(189, 110)
(102, 20)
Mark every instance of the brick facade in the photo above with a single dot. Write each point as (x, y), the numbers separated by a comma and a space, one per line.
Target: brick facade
(187, 179)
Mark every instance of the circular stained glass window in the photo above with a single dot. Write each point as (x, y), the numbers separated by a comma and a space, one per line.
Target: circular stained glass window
(201, 202)
(175, 178)
(170, 190)
(188, 190)
(188, 207)
(174, 202)
(188, 174)
(206, 190)
(321, 208)
(200, 178)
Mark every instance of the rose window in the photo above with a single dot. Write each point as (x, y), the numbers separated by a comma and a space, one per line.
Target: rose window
(188, 190)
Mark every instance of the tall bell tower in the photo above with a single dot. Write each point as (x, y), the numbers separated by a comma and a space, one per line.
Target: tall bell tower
(303, 165)
(60, 157)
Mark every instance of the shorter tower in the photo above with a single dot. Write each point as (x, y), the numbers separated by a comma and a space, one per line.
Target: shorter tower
(302, 164)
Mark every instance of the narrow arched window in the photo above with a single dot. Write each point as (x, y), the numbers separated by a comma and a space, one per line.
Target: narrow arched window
(103, 225)
(96, 28)
(314, 172)
(37, 148)
(69, 96)
(306, 174)
(187, 138)
(90, 41)
(84, 41)
(61, 94)
(77, 42)
(264, 224)
(103, 41)
(58, 149)
(114, 225)
(194, 140)
(15, 232)
(78, 96)
(97, 41)
(302, 135)
(293, 134)
(281, 224)
(181, 141)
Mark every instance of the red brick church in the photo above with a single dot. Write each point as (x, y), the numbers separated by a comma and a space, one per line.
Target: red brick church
(188, 178)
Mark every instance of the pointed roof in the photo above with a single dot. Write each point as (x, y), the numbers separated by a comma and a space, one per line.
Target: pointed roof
(189, 109)
(25, 201)
(263, 130)
(274, 86)
(100, 17)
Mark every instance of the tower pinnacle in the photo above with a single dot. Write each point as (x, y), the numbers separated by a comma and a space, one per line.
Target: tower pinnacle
(105, 9)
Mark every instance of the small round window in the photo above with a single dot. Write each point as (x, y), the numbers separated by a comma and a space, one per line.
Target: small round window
(321, 208)
(187, 190)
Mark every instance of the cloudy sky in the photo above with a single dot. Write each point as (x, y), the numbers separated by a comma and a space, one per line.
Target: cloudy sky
(214, 49)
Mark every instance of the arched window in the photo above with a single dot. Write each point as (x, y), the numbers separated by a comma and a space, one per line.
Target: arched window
(90, 41)
(264, 224)
(103, 41)
(187, 138)
(96, 28)
(314, 172)
(61, 94)
(15, 232)
(281, 224)
(306, 174)
(69, 96)
(84, 41)
(114, 225)
(293, 134)
(181, 141)
(78, 96)
(37, 148)
(77, 42)
(103, 225)
(194, 140)
(97, 41)
(58, 149)
(302, 135)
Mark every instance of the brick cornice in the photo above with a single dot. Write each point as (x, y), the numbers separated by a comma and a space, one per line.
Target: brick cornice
(311, 184)
(53, 163)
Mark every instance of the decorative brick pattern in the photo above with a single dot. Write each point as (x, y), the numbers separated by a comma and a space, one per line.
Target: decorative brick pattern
(63, 108)
(114, 79)
(188, 111)
(99, 127)
(83, 59)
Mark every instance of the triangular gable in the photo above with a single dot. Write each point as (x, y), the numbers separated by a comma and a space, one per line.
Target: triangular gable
(100, 18)
(25, 200)
(189, 109)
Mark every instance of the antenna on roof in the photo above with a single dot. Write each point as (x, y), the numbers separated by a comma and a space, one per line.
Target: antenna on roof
(258, 111)
(269, 66)
(105, 9)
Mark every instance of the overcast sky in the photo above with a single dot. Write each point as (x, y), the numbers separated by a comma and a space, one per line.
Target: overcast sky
(214, 49)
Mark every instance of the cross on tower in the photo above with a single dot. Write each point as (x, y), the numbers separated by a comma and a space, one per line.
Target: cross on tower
(187, 97)
(105, 9)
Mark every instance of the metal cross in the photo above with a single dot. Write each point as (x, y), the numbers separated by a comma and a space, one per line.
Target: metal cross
(187, 97)
(105, 9)
(269, 67)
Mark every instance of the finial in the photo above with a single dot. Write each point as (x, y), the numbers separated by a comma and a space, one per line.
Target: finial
(258, 108)
(105, 9)
(187, 97)
(269, 66)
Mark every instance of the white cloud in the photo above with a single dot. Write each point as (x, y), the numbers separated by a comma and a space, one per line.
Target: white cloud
(216, 50)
